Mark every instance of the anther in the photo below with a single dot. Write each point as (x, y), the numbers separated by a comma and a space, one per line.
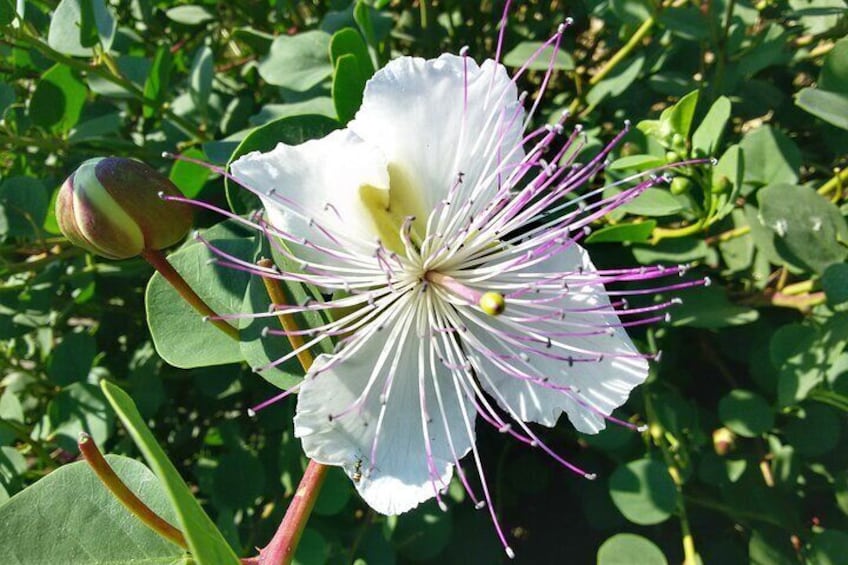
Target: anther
(509, 552)
(590, 476)
(642, 429)
(481, 504)
(442, 506)
(205, 318)
(707, 281)
(251, 413)
(463, 51)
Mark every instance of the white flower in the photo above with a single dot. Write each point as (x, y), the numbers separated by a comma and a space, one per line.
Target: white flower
(460, 288)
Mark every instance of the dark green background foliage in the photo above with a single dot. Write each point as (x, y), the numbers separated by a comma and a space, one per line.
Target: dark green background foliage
(745, 458)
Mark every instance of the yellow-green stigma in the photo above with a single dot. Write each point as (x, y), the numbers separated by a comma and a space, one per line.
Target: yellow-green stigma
(492, 303)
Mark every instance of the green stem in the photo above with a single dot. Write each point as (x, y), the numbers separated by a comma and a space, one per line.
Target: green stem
(666, 233)
(619, 56)
(658, 433)
(105, 73)
(159, 262)
(120, 490)
(835, 184)
(830, 398)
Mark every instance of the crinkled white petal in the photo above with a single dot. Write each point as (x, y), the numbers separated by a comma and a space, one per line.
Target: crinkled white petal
(399, 478)
(323, 180)
(415, 111)
(604, 385)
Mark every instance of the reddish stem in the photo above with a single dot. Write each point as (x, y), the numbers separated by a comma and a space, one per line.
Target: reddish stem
(122, 492)
(159, 262)
(280, 550)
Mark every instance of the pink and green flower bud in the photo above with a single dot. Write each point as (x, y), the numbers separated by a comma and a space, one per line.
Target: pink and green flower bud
(113, 207)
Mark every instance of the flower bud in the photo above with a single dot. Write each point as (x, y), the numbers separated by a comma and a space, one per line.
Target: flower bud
(680, 185)
(112, 206)
(724, 441)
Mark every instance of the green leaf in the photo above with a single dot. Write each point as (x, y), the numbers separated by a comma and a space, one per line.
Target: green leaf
(189, 177)
(835, 283)
(834, 72)
(746, 413)
(291, 131)
(70, 517)
(643, 491)
(298, 62)
(708, 307)
(353, 68)
(679, 116)
(522, 52)
(654, 202)
(190, 15)
(348, 41)
(66, 25)
(828, 547)
(619, 80)
(158, 79)
(686, 22)
(72, 359)
(637, 162)
(7, 14)
(58, 99)
(638, 231)
(257, 349)
(179, 333)
(807, 225)
(770, 157)
(626, 549)
(728, 175)
(348, 87)
(831, 107)
(200, 78)
(707, 138)
(335, 493)
(88, 27)
(815, 430)
(374, 25)
(423, 532)
(79, 407)
(239, 480)
(23, 207)
(206, 543)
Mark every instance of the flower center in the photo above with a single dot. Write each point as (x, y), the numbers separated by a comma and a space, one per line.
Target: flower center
(490, 302)
(390, 208)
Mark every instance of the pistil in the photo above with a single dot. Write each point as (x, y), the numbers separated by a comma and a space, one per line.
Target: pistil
(490, 302)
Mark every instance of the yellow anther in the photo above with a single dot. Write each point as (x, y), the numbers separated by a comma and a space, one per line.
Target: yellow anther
(492, 303)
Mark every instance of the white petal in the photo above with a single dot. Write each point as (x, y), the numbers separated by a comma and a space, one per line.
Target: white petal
(323, 180)
(603, 385)
(414, 110)
(399, 478)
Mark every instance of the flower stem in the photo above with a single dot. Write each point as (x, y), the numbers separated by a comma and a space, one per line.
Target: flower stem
(666, 233)
(287, 321)
(836, 185)
(120, 490)
(159, 262)
(280, 550)
(658, 434)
